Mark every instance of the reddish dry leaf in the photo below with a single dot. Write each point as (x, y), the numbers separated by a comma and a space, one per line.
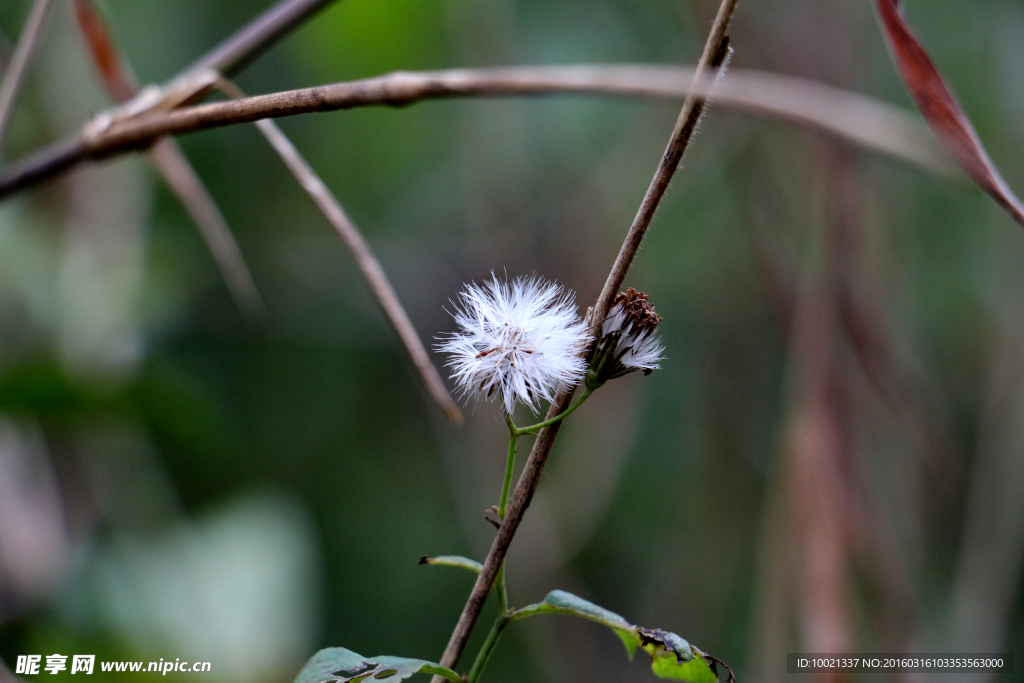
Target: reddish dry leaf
(118, 81)
(941, 110)
(120, 84)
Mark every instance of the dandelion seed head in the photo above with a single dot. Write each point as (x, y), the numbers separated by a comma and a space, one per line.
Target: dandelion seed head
(517, 342)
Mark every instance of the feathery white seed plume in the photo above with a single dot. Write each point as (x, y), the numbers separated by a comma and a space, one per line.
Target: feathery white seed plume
(519, 340)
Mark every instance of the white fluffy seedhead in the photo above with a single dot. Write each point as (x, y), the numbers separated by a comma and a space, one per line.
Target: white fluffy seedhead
(518, 341)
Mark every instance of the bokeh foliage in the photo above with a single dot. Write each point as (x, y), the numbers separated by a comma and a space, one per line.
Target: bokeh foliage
(658, 502)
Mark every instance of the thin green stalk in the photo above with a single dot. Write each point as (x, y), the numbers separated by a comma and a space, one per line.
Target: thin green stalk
(505, 615)
(532, 429)
(509, 465)
(528, 611)
(516, 432)
(499, 583)
(488, 647)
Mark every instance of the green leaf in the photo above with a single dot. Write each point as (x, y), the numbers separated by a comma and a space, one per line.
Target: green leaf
(673, 657)
(454, 561)
(561, 602)
(656, 642)
(338, 665)
(694, 671)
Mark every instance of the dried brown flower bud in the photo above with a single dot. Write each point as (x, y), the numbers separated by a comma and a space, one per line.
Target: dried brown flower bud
(628, 340)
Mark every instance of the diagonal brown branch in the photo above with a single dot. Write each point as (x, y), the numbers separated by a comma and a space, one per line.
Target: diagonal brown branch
(230, 56)
(235, 52)
(855, 118)
(715, 51)
(374, 273)
(27, 42)
(172, 163)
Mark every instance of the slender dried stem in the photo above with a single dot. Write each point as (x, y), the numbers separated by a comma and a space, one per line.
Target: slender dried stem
(183, 180)
(352, 238)
(231, 55)
(15, 73)
(714, 53)
(171, 162)
(855, 118)
(258, 35)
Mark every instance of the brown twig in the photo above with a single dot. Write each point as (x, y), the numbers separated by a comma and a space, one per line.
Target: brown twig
(183, 180)
(243, 46)
(27, 42)
(250, 41)
(226, 58)
(715, 51)
(352, 238)
(116, 76)
(855, 118)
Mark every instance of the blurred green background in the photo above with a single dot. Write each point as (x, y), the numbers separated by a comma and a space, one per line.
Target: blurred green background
(830, 460)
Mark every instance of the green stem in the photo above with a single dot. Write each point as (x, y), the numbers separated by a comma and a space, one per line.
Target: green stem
(516, 432)
(499, 584)
(561, 416)
(528, 611)
(488, 647)
(505, 616)
(509, 465)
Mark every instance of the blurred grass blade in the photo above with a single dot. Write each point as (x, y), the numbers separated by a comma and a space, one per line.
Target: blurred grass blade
(15, 72)
(367, 261)
(183, 180)
(114, 72)
(941, 109)
(170, 161)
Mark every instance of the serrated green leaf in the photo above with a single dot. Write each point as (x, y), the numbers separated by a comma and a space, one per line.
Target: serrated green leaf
(338, 665)
(454, 561)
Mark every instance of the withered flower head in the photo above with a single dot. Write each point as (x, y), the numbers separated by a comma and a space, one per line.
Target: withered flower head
(628, 340)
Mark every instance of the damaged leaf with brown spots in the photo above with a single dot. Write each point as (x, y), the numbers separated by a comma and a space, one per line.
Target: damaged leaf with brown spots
(338, 665)
(673, 657)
